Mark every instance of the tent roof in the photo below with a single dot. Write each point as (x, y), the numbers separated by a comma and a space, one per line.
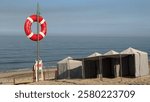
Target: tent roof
(131, 50)
(111, 52)
(95, 54)
(65, 60)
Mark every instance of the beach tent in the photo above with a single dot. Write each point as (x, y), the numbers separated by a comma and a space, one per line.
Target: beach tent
(69, 68)
(111, 64)
(134, 62)
(91, 65)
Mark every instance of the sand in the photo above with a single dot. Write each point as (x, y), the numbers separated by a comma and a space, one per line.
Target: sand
(24, 77)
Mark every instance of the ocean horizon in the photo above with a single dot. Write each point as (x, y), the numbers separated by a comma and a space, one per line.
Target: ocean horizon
(18, 52)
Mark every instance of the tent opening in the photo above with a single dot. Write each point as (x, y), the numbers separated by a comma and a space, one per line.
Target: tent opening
(110, 67)
(91, 68)
(128, 66)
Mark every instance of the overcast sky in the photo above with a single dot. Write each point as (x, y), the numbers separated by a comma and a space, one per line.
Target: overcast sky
(79, 17)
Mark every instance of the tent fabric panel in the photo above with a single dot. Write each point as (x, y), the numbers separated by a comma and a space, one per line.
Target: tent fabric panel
(137, 65)
(65, 60)
(74, 64)
(62, 71)
(144, 68)
(95, 54)
(111, 52)
(69, 68)
(75, 69)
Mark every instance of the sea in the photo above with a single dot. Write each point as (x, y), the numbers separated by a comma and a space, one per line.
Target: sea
(19, 52)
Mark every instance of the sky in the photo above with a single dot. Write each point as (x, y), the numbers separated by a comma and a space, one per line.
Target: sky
(79, 17)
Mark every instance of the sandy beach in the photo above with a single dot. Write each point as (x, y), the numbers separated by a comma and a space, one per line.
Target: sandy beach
(24, 77)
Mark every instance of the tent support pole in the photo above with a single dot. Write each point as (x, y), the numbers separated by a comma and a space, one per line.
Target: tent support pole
(68, 69)
(121, 67)
(100, 68)
(83, 69)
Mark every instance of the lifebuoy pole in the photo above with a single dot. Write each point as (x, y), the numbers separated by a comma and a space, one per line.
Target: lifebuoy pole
(38, 31)
(40, 34)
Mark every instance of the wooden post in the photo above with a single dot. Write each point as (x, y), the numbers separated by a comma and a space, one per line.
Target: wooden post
(14, 81)
(44, 74)
(56, 74)
(33, 74)
(36, 74)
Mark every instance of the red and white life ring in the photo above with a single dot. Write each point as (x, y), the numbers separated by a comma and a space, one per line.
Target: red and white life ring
(28, 31)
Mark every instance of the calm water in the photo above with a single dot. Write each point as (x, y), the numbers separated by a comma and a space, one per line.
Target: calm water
(18, 52)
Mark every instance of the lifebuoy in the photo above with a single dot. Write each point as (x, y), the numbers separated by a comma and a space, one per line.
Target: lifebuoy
(28, 24)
